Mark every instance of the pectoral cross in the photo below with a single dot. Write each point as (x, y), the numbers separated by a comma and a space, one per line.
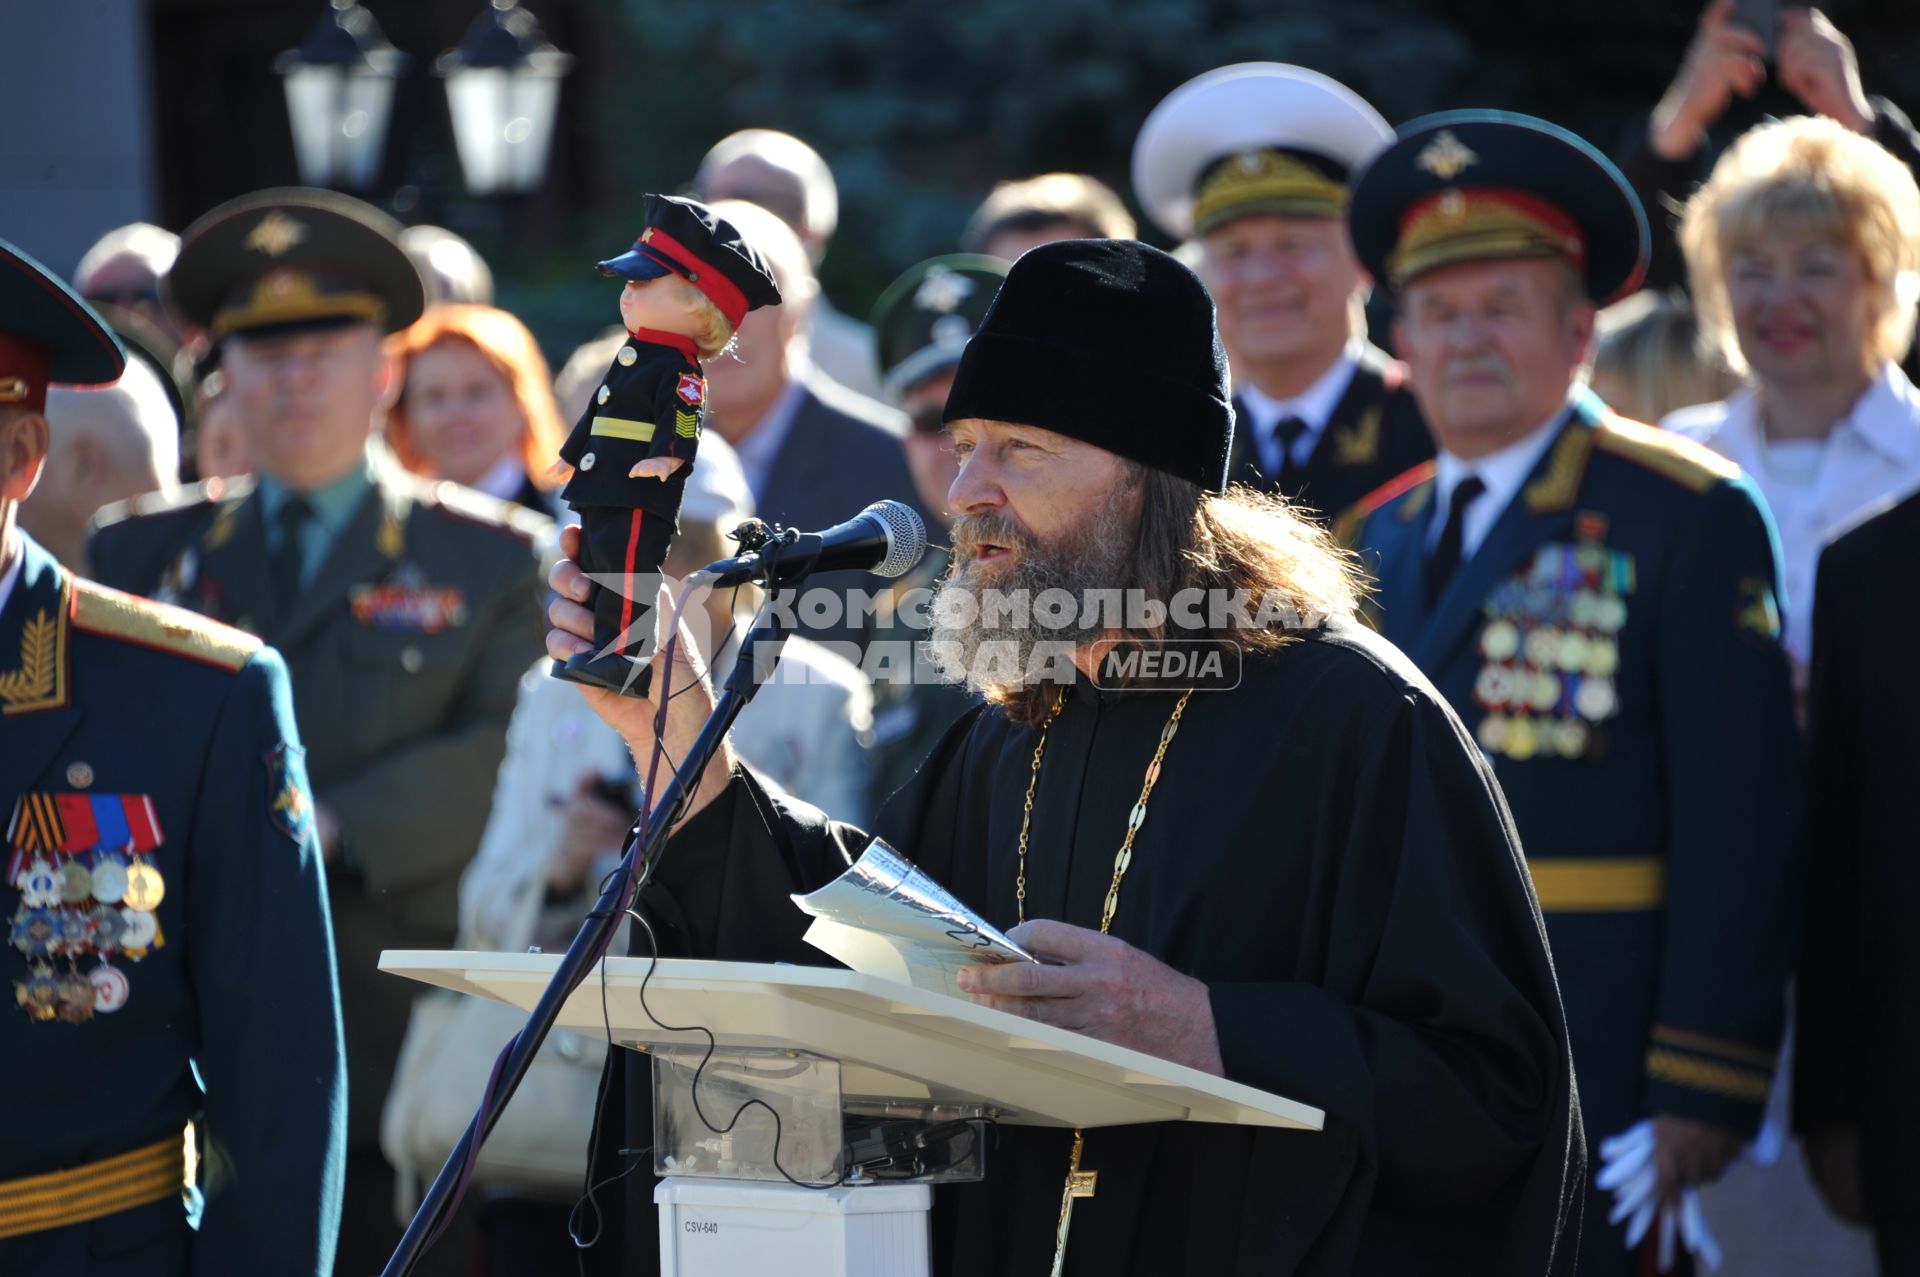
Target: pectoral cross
(1079, 1184)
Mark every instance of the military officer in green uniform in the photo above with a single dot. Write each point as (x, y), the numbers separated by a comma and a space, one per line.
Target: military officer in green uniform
(1254, 160)
(406, 611)
(169, 957)
(921, 325)
(1597, 600)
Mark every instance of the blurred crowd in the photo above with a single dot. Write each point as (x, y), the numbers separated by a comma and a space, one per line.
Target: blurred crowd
(464, 798)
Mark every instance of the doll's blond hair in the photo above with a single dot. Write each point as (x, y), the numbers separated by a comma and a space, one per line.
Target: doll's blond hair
(715, 334)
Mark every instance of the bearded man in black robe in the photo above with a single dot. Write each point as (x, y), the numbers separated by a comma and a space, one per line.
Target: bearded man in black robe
(1325, 897)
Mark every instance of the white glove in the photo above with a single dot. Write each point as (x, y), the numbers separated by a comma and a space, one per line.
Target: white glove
(1629, 1172)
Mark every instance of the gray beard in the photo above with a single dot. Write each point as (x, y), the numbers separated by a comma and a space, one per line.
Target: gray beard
(983, 647)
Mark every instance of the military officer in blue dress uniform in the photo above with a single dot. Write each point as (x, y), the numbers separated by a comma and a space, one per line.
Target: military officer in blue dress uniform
(1597, 601)
(1253, 161)
(170, 959)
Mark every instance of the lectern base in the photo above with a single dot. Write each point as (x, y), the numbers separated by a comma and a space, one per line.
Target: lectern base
(739, 1228)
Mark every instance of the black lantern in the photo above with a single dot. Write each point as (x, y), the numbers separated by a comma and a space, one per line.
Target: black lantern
(503, 90)
(339, 86)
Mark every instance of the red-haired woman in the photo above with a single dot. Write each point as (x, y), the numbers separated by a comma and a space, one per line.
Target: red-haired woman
(476, 405)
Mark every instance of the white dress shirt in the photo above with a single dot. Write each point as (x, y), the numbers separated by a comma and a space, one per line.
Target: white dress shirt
(1816, 492)
(1313, 406)
(1504, 472)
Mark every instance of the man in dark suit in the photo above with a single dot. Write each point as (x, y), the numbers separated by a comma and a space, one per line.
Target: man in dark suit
(406, 611)
(1597, 601)
(814, 452)
(1857, 1043)
(164, 901)
(1254, 161)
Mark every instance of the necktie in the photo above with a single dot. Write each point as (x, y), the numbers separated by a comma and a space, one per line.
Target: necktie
(1286, 476)
(1445, 559)
(288, 558)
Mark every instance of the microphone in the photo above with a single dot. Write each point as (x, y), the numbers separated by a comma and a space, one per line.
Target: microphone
(886, 539)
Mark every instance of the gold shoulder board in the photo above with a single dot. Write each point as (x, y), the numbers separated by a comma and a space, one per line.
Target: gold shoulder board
(98, 610)
(1693, 466)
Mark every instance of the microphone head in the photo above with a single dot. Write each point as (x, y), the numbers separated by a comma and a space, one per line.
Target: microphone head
(906, 536)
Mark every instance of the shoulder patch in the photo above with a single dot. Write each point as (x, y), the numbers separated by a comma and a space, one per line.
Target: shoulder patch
(99, 610)
(1691, 465)
(469, 506)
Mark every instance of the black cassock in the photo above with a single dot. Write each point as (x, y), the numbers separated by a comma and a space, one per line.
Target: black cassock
(1325, 848)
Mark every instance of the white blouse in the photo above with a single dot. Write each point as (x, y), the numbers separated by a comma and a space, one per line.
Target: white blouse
(1817, 489)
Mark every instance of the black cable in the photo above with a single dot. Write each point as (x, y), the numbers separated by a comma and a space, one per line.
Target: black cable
(693, 1090)
(588, 1196)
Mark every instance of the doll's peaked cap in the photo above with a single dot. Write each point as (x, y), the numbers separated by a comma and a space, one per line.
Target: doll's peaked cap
(1111, 342)
(683, 237)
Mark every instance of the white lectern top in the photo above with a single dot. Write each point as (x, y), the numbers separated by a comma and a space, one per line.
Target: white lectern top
(891, 1039)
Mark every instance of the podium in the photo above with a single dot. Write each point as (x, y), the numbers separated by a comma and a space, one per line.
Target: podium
(888, 1042)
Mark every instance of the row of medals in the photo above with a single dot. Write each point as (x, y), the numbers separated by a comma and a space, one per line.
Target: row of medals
(77, 907)
(1548, 680)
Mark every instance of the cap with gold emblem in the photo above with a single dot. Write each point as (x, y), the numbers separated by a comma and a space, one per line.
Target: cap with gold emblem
(1478, 185)
(48, 334)
(292, 258)
(1256, 137)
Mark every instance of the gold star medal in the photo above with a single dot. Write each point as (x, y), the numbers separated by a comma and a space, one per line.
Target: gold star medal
(39, 994)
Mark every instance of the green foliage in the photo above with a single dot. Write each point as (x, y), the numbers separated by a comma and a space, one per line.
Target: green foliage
(921, 105)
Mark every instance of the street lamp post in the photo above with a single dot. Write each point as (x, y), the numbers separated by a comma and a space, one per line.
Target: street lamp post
(339, 86)
(503, 89)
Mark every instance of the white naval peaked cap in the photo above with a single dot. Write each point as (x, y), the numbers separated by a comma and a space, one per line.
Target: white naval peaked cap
(1248, 108)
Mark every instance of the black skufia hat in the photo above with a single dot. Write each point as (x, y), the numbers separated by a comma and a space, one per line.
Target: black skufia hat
(1111, 342)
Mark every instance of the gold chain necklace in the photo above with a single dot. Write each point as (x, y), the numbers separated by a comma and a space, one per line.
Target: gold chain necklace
(1082, 1183)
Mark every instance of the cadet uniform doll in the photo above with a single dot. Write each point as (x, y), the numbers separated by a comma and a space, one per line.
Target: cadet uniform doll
(169, 958)
(690, 280)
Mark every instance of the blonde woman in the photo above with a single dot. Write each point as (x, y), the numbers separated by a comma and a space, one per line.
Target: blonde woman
(1803, 248)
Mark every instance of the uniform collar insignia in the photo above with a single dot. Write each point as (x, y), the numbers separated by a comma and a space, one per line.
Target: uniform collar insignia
(391, 539)
(40, 679)
(1564, 467)
(1359, 443)
(1417, 498)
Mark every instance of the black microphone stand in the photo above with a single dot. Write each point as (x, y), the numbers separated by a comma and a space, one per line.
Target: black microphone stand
(596, 932)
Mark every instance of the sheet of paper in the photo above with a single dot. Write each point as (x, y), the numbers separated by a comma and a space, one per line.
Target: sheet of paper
(886, 918)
